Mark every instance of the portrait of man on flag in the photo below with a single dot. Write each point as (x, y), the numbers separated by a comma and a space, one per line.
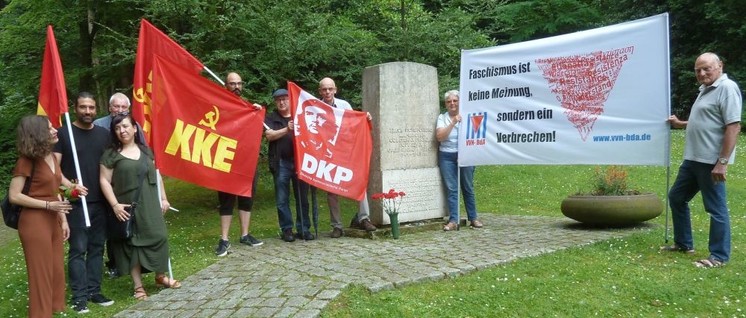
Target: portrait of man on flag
(322, 127)
(333, 146)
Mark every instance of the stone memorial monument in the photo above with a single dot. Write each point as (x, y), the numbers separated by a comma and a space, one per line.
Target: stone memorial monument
(403, 99)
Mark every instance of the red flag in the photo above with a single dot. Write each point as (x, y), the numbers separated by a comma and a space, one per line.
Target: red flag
(332, 145)
(153, 41)
(52, 92)
(205, 135)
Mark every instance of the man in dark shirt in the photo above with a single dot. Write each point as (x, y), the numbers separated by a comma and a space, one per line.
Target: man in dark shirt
(227, 201)
(85, 257)
(282, 166)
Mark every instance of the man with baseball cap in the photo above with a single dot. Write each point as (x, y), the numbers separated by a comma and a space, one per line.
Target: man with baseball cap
(282, 165)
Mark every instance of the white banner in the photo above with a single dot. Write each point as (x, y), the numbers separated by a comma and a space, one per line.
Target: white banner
(594, 97)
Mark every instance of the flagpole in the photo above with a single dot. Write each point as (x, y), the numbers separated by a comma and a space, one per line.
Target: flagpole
(214, 76)
(77, 167)
(158, 182)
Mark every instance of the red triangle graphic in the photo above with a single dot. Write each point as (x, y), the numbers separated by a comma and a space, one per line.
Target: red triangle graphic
(476, 121)
(582, 83)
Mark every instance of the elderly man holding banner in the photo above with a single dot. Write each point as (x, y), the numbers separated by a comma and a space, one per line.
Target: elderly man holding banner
(282, 165)
(323, 130)
(327, 90)
(711, 135)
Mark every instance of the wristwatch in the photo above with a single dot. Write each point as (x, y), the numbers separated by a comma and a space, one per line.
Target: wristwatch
(723, 161)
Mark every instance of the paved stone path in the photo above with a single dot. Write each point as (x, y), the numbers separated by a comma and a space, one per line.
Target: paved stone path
(299, 279)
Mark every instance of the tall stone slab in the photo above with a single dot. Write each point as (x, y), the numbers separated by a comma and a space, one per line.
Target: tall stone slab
(402, 98)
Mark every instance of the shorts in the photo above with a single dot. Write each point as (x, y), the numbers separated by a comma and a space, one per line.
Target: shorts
(228, 200)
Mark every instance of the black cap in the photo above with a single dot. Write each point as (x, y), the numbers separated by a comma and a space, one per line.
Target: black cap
(280, 92)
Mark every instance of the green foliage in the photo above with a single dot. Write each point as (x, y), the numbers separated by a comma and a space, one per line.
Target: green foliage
(10, 116)
(525, 20)
(267, 42)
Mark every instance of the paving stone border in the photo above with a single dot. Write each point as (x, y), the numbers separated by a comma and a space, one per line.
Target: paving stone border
(299, 279)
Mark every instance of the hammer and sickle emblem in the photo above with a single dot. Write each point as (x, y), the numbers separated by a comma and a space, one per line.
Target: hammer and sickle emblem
(211, 118)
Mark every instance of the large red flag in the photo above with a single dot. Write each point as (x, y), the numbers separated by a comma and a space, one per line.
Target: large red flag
(205, 134)
(153, 41)
(52, 92)
(332, 145)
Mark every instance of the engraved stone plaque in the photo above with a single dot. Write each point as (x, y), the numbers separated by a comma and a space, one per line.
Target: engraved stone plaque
(402, 98)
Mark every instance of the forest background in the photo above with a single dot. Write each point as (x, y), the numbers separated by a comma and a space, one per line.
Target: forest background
(271, 41)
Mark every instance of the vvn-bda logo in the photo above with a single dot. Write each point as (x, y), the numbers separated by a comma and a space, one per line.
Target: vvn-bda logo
(476, 129)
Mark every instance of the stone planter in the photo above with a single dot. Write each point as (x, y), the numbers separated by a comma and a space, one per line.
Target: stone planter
(622, 210)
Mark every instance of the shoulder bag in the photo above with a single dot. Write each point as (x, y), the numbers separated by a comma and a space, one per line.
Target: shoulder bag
(12, 212)
(123, 230)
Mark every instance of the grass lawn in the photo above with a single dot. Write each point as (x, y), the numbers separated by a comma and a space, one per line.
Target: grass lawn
(622, 277)
(618, 278)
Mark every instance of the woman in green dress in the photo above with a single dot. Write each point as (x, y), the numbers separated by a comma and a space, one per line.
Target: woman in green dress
(125, 167)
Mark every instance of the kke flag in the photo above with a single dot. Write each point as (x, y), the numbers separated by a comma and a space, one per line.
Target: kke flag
(205, 135)
(332, 145)
(52, 92)
(153, 41)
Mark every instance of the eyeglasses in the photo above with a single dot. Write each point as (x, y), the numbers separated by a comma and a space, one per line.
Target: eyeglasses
(235, 83)
(124, 113)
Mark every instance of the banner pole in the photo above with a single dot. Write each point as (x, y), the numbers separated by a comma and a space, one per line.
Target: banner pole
(668, 188)
(668, 148)
(77, 168)
(458, 194)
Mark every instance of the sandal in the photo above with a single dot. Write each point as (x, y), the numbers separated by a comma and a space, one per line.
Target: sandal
(140, 293)
(708, 263)
(677, 248)
(450, 226)
(166, 282)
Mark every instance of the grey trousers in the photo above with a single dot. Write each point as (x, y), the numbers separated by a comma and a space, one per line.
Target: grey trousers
(334, 214)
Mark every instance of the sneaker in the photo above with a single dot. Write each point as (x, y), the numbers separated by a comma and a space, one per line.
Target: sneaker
(450, 226)
(477, 224)
(287, 235)
(81, 307)
(101, 300)
(250, 240)
(366, 225)
(337, 232)
(222, 249)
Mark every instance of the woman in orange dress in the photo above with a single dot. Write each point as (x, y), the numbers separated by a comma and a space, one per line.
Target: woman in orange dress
(42, 226)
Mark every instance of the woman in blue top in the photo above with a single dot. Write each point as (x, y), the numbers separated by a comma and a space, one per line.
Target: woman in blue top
(446, 132)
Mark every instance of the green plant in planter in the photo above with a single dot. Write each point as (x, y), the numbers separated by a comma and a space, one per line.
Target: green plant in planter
(611, 181)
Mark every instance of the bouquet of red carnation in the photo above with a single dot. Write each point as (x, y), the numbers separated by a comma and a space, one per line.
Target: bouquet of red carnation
(70, 193)
(391, 200)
